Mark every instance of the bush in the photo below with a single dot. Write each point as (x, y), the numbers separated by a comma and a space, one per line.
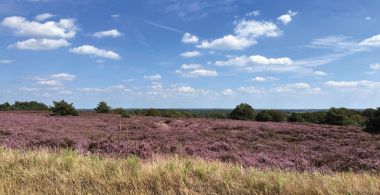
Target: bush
(296, 117)
(373, 123)
(33, 105)
(103, 108)
(153, 112)
(243, 112)
(125, 115)
(63, 108)
(368, 113)
(118, 111)
(5, 107)
(343, 116)
(263, 116)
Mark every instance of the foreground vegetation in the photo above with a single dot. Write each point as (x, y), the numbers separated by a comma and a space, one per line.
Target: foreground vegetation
(67, 172)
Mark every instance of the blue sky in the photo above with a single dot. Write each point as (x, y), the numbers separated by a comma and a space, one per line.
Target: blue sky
(191, 54)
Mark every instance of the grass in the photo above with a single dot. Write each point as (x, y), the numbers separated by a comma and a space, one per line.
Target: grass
(67, 172)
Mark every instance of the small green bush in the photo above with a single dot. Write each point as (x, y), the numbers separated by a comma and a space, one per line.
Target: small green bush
(32, 105)
(103, 107)
(63, 108)
(368, 113)
(153, 112)
(373, 123)
(125, 115)
(296, 117)
(5, 107)
(243, 111)
(342, 116)
(263, 116)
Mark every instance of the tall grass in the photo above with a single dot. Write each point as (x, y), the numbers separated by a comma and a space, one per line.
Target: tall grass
(67, 172)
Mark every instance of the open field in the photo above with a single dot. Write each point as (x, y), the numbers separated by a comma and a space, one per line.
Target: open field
(301, 147)
(65, 172)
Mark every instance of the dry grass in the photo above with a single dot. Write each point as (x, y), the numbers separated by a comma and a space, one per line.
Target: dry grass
(67, 172)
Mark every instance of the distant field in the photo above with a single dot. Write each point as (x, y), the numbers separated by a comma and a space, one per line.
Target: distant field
(65, 172)
(288, 146)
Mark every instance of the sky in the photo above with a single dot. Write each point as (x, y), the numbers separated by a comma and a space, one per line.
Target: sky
(288, 54)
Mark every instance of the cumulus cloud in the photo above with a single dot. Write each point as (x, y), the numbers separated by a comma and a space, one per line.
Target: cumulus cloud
(298, 87)
(249, 90)
(228, 92)
(44, 16)
(64, 28)
(189, 38)
(288, 17)
(375, 66)
(184, 89)
(320, 73)
(155, 77)
(254, 60)
(372, 41)
(228, 42)
(40, 44)
(264, 79)
(93, 51)
(245, 34)
(63, 76)
(195, 70)
(114, 33)
(109, 89)
(363, 84)
(254, 13)
(190, 54)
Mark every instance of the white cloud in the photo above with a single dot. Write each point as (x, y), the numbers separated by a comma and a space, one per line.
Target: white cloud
(254, 13)
(372, 41)
(228, 92)
(249, 90)
(288, 17)
(298, 87)
(184, 89)
(108, 33)
(93, 51)
(190, 66)
(189, 38)
(254, 29)
(51, 83)
(375, 66)
(228, 42)
(63, 76)
(363, 84)
(264, 79)
(155, 77)
(368, 18)
(40, 44)
(195, 70)
(44, 16)
(28, 89)
(6, 61)
(115, 16)
(64, 28)
(254, 60)
(320, 73)
(113, 88)
(245, 34)
(190, 54)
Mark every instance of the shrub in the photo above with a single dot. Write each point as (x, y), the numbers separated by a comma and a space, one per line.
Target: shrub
(373, 123)
(32, 105)
(5, 107)
(103, 108)
(125, 115)
(343, 116)
(243, 112)
(368, 113)
(296, 117)
(153, 112)
(63, 108)
(263, 116)
(118, 111)
(277, 116)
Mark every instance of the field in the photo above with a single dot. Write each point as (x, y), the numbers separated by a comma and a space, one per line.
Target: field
(67, 172)
(285, 146)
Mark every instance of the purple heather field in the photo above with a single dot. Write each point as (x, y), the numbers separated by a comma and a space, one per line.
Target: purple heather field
(301, 147)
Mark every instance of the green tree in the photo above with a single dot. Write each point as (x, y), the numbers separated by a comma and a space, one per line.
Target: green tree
(263, 116)
(103, 107)
(243, 111)
(5, 107)
(63, 108)
(373, 123)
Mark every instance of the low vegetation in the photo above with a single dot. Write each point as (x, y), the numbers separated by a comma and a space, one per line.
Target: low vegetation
(67, 172)
(373, 123)
(63, 108)
(32, 105)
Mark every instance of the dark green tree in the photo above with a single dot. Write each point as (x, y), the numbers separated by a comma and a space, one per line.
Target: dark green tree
(373, 123)
(103, 107)
(243, 111)
(63, 108)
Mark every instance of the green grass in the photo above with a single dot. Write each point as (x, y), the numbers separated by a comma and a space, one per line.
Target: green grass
(67, 172)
